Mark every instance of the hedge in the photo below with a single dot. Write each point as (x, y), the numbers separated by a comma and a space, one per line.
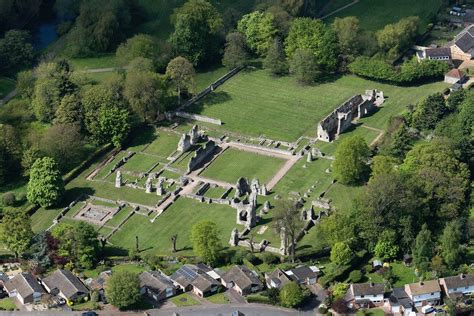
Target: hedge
(410, 71)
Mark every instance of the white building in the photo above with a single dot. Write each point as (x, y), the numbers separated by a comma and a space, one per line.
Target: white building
(458, 285)
(424, 292)
(363, 295)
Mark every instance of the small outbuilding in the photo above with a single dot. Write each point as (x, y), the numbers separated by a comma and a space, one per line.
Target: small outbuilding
(454, 76)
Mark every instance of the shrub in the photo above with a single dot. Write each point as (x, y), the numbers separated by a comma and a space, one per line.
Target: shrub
(9, 199)
(270, 258)
(252, 258)
(355, 276)
(95, 296)
(322, 310)
(238, 257)
(291, 295)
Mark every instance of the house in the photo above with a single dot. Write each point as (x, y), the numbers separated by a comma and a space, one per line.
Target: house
(399, 302)
(436, 53)
(200, 279)
(242, 280)
(25, 288)
(65, 284)
(462, 47)
(276, 279)
(98, 284)
(156, 285)
(458, 285)
(363, 295)
(454, 76)
(424, 292)
(304, 275)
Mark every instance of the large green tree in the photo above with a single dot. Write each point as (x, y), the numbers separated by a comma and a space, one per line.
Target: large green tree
(291, 295)
(394, 38)
(15, 50)
(423, 249)
(315, 36)
(196, 27)
(235, 52)
(348, 33)
(123, 289)
(275, 61)
(450, 240)
(303, 66)
(46, 185)
(341, 253)
(181, 72)
(429, 112)
(351, 157)
(287, 222)
(140, 45)
(205, 238)
(16, 233)
(259, 30)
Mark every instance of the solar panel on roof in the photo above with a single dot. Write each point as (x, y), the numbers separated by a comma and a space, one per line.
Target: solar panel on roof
(188, 273)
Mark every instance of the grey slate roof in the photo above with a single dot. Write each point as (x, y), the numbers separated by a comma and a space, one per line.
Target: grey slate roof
(25, 284)
(459, 281)
(400, 297)
(242, 277)
(279, 277)
(465, 39)
(195, 275)
(302, 273)
(66, 282)
(359, 289)
(155, 281)
(438, 52)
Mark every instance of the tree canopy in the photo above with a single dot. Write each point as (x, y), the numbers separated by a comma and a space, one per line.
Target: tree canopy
(46, 185)
(259, 30)
(205, 238)
(16, 233)
(123, 289)
(351, 157)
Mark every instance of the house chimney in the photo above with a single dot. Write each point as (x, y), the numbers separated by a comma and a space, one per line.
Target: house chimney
(462, 275)
(421, 283)
(372, 284)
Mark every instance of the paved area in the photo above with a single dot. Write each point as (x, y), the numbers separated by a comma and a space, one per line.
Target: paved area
(234, 297)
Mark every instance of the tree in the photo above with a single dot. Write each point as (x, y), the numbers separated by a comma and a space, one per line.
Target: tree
(282, 19)
(28, 159)
(196, 27)
(383, 165)
(341, 253)
(46, 186)
(235, 52)
(339, 290)
(15, 50)
(143, 90)
(140, 45)
(401, 142)
(288, 224)
(78, 244)
(429, 112)
(450, 241)
(25, 83)
(16, 233)
(259, 30)
(106, 115)
(455, 99)
(303, 66)
(275, 61)
(293, 7)
(123, 289)
(291, 295)
(348, 33)
(394, 38)
(181, 72)
(386, 250)
(70, 110)
(423, 249)
(205, 238)
(313, 35)
(351, 156)
(63, 143)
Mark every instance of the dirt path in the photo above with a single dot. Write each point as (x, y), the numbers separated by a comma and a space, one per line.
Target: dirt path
(260, 150)
(379, 136)
(282, 172)
(340, 9)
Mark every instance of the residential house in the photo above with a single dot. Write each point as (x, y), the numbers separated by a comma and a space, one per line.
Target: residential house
(98, 284)
(424, 292)
(304, 275)
(399, 302)
(65, 284)
(454, 76)
(200, 279)
(25, 288)
(462, 47)
(242, 280)
(156, 285)
(458, 285)
(363, 295)
(437, 53)
(276, 279)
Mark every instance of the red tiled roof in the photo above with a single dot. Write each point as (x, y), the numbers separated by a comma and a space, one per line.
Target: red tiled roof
(455, 73)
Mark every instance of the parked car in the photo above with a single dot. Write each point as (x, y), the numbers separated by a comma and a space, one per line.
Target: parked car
(89, 314)
(427, 309)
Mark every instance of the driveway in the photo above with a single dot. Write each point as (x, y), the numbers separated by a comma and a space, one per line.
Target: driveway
(235, 297)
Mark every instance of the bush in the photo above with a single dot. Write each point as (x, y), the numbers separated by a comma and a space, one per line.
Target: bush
(270, 258)
(291, 295)
(252, 258)
(238, 257)
(9, 199)
(355, 276)
(95, 296)
(322, 310)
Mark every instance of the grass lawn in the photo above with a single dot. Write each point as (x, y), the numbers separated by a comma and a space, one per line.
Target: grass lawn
(184, 300)
(342, 195)
(374, 15)
(105, 61)
(6, 86)
(300, 179)
(133, 268)
(254, 103)
(86, 306)
(178, 218)
(163, 145)
(140, 163)
(402, 274)
(120, 216)
(371, 312)
(234, 163)
(100, 77)
(219, 298)
(7, 304)
(215, 193)
(204, 79)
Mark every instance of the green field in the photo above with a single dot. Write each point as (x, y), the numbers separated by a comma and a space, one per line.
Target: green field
(177, 219)
(184, 299)
(253, 103)
(140, 163)
(163, 145)
(375, 14)
(233, 164)
(105, 61)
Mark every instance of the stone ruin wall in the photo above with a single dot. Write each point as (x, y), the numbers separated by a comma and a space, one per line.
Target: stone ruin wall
(201, 154)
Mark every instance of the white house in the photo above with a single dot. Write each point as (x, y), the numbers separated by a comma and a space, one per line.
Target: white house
(458, 285)
(424, 292)
(399, 302)
(366, 294)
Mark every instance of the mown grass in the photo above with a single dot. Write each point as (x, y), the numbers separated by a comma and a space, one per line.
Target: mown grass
(6, 304)
(105, 61)
(177, 219)
(233, 164)
(374, 15)
(401, 273)
(219, 298)
(184, 299)
(256, 104)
